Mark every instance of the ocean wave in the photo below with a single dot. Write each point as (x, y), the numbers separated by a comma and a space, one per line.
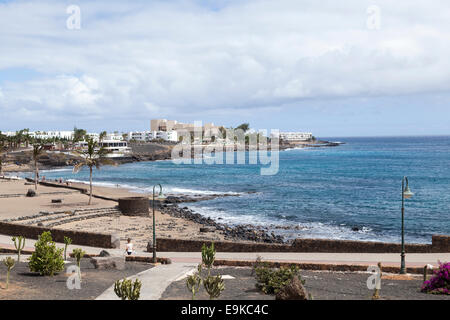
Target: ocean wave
(291, 231)
(178, 190)
(109, 185)
(57, 170)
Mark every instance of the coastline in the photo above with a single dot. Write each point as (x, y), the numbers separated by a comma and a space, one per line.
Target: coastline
(173, 219)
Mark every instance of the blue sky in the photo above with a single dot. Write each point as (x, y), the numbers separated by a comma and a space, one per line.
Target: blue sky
(291, 65)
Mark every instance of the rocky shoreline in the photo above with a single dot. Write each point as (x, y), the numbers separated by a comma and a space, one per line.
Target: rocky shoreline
(172, 206)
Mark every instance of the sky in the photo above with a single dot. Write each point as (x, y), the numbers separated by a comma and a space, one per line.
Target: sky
(334, 68)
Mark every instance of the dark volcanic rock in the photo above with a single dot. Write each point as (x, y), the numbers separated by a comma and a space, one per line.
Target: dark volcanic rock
(294, 290)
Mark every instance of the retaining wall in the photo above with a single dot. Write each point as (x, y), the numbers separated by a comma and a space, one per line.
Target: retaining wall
(82, 238)
(440, 243)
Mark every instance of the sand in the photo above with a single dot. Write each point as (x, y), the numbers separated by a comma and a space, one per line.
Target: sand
(139, 229)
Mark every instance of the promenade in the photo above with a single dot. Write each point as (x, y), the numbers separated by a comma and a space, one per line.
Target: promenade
(158, 278)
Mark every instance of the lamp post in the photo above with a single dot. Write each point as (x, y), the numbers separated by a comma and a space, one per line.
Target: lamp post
(406, 194)
(154, 222)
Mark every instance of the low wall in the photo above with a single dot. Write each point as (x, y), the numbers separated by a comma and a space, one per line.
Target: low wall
(347, 246)
(65, 186)
(82, 238)
(134, 206)
(440, 244)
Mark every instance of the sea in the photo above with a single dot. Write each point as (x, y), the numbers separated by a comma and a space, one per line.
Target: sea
(352, 191)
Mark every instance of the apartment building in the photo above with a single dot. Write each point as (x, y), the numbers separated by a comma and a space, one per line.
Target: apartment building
(293, 137)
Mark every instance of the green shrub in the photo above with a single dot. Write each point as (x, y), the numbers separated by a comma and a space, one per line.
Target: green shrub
(46, 258)
(126, 289)
(270, 281)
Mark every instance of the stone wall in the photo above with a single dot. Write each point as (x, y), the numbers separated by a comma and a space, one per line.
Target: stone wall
(440, 244)
(134, 206)
(82, 238)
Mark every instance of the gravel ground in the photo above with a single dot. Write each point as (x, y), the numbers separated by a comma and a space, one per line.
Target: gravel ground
(321, 285)
(25, 285)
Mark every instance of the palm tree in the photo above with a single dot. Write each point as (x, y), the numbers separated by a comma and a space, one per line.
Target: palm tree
(102, 136)
(2, 148)
(78, 134)
(26, 137)
(37, 150)
(92, 157)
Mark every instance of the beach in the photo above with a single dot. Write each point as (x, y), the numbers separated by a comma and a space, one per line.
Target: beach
(15, 205)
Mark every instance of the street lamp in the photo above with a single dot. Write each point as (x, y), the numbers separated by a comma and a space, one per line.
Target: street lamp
(154, 222)
(406, 194)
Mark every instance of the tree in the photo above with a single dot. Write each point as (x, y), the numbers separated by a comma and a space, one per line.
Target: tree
(92, 157)
(2, 153)
(37, 150)
(78, 134)
(102, 136)
(244, 127)
(27, 136)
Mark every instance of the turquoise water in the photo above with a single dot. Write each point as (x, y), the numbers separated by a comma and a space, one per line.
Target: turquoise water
(325, 192)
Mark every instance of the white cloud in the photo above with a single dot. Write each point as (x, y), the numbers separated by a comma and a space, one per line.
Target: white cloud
(151, 57)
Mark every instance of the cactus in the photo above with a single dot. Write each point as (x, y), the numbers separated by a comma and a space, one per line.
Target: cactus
(9, 263)
(78, 254)
(194, 281)
(214, 286)
(126, 289)
(67, 242)
(208, 256)
(19, 243)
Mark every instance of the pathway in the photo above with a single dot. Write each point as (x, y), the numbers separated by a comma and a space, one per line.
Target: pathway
(155, 280)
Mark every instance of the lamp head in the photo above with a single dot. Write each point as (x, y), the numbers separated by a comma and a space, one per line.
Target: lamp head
(407, 193)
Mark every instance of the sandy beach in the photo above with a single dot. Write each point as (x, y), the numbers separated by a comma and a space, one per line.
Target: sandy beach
(14, 204)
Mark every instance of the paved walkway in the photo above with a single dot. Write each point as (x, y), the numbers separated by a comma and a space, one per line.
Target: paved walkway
(388, 259)
(155, 280)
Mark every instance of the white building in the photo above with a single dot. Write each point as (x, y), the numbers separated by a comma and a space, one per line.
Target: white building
(295, 136)
(115, 148)
(140, 136)
(45, 134)
(146, 136)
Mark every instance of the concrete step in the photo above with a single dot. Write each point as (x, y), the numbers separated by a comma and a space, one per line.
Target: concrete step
(62, 215)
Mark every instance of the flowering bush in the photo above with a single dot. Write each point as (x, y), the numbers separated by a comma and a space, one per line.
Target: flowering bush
(440, 282)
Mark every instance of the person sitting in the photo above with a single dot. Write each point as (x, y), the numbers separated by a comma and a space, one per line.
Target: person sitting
(129, 248)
